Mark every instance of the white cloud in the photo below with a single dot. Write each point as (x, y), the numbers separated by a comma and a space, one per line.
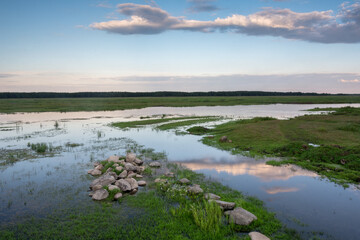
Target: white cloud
(350, 81)
(316, 26)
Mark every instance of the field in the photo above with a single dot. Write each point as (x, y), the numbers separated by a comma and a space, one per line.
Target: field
(110, 104)
(327, 144)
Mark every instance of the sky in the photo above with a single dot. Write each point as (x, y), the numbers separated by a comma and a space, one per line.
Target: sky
(180, 45)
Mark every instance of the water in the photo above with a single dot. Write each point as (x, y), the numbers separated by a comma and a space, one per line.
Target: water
(300, 198)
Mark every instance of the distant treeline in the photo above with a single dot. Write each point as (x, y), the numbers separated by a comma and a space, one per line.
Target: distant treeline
(151, 94)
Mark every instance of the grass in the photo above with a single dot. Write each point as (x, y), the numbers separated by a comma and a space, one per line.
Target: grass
(337, 134)
(153, 214)
(178, 124)
(110, 104)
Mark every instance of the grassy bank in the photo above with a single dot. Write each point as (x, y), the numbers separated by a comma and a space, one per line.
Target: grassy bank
(154, 213)
(327, 144)
(110, 104)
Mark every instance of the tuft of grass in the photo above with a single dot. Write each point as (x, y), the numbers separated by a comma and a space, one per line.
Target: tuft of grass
(198, 130)
(207, 216)
(39, 147)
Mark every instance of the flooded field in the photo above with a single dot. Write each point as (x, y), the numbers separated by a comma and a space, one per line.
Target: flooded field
(40, 184)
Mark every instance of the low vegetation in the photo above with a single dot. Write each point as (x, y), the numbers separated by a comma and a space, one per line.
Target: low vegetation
(328, 143)
(12, 105)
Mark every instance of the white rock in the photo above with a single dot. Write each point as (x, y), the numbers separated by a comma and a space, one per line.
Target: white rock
(155, 164)
(117, 196)
(258, 236)
(138, 161)
(224, 205)
(131, 175)
(212, 196)
(141, 183)
(100, 194)
(123, 185)
(114, 159)
(133, 183)
(138, 176)
(116, 165)
(113, 187)
(119, 168)
(240, 216)
(103, 180)
(130, 167)
(97, 187)
(123, 174)
(130, 157)
(195, 189)
(95, 172)
(99, 167)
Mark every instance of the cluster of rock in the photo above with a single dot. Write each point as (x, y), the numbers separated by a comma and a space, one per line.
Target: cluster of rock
(124, 182)
(238, 215)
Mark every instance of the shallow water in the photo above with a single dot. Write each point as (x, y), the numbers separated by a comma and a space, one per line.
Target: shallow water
(36, 187)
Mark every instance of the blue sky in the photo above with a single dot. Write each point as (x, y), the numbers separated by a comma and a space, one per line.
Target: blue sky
(181, 45)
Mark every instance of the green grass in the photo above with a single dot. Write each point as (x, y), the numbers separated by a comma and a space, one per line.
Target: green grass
(178, 124)
(337, 157)
(110, 104)
(152, 214)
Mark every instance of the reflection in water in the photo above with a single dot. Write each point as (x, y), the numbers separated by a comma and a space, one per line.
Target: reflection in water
(258, 169)
(276, 190)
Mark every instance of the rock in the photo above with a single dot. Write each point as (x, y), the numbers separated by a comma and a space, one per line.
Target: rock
(141, 169)
(111, 173)
(97, 187)
(123, 174)
(113, 187)
(133, 191)
(133, 183)
(130, 167)
(131, 174)
(195, 189)
(94, 172)
(99, 167)
(117, 196)
(258, 236)
(100, 194)
(159, 180)
(230, 141)
(212, 196)
(240, 216)
(114, 159)
(141, 183)
(138, 176)
(130, 157)
(116, 165)
(91, 194)
(138, 161)
(96, 164)
(119, 168)
(170, 174)
(184, 181)
(224, 205)
(104, 180)
(123, 185)
(155, 164)
(223, 139)
(109, 170)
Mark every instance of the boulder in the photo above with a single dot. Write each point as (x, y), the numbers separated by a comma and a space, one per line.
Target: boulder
(123, 185)
(195, 189)
(138, 176)
(240, 216)
(130, 167)
(117, 196)
(133, 183)
(212, 196)
(155, 164)
(224, 205)
(184, 181)
(96, 164)
(223, 139)
(130, 157)
(258, 236)
(141, 169)
(99, 167)
(114, 159)
(170, 174)
(100, 194)
(97, 187)
(141, 183)
(113, 187)
(138, 161)
(119, 168)
(123, 174)
(133, 191)
(103, 180)
(94, 172)
(131, 174)
(116, 165)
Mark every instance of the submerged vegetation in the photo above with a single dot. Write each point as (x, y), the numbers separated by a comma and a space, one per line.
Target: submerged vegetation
(120, 103)
(328, 144)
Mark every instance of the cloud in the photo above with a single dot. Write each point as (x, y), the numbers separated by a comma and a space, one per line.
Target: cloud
(350, 81)
(7, 75)
(316, 26)
(104, 5)
(202, 6)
